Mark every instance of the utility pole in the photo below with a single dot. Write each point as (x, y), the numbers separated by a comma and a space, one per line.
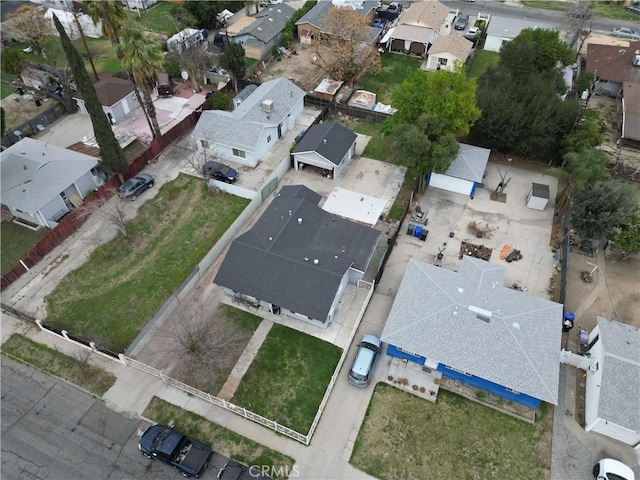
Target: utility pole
(86, 46)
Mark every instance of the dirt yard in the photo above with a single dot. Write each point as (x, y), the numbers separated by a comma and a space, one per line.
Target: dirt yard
(19, 109)
(298, 67)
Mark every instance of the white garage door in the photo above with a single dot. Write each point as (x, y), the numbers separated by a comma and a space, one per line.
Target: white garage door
(451, 184)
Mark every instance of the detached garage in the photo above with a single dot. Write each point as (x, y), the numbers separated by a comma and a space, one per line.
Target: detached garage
(328, 146)
(465, 172)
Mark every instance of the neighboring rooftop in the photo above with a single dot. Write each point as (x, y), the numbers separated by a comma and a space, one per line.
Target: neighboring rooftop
(508, 27)
(110, 90)
(33, 172)
(470, 321)
(620, 385)
(331, 140)
(296, 254)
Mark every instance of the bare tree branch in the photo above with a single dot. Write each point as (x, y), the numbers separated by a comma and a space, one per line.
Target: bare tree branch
(112, 211)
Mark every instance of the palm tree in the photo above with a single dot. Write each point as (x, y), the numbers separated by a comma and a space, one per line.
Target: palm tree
(142, 58)
(112, 14)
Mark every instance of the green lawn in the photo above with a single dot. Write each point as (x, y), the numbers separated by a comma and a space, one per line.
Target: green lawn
(599, 8)
(156, 19)
(481, 61)
(15, 243)
(288, 377)
(222, 440)
(125, 281)
(75, 370)
(395, 68)
(6, 89)
(406, 437)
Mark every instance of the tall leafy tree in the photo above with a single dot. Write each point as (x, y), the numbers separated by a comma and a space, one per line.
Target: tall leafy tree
(523, 112)
(29, 25)
(627, 240)
(142, 58)
(111, 13)
(601, 209)
(233, 60)
(535, 50)
(580, 170)
(111, 153)
(344, 47)
(425, 146)
(449, 95)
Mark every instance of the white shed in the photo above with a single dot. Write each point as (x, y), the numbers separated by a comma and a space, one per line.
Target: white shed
(538, 196)
(465, 173)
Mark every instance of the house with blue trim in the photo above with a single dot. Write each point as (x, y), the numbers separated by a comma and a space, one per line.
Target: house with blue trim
(466, 172)
(471, 328)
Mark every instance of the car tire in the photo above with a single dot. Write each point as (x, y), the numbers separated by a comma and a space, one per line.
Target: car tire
(596, 470)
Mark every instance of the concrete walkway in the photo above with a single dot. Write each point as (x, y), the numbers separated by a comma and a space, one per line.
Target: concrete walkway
(244, 362)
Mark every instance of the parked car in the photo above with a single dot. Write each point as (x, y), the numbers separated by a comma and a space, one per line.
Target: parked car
(220, 171)
(135, 186)
(394, 7)
(462, 22)
(362, 367)
(472, 33)
(626, 32)
(609, 469)
(165, 85)
(237, 471)
(188, 456)
(300, 135)
(635, 10)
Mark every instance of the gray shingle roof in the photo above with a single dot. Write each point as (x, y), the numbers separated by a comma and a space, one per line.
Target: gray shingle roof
(508, 27)
(435, 314)
(331, 140)
(620, 383)
(269, 22)
(243, 127)
(33, 173)
(470, 163)
(275, 260)
(319, 11)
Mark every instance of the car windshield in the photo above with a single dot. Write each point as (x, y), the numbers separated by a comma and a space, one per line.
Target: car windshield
(162, 436)
(224, 170)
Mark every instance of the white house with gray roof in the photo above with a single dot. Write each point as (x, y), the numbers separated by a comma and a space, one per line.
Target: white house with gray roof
(465, 173)
(505, 29)
(246, 135)
(297, 259)
(470, 327)
(38, 180)
(612, 394)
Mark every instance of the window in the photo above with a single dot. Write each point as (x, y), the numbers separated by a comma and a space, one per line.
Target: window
(442, 61)
(238, 153)
(204, 143)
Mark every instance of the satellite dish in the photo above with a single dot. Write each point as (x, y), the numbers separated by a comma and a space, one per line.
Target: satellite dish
(184, 75)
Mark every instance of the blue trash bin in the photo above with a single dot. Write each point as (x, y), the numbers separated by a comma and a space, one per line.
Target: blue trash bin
(417, 231)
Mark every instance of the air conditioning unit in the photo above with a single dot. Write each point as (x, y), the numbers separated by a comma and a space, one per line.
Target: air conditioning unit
(267, 106)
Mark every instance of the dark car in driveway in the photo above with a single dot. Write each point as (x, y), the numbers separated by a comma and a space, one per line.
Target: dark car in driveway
(135, 186)
(220, 171)
(462, 22)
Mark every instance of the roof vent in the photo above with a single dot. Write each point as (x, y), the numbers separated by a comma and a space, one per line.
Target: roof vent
(267, 106)
(324, 140)
(306, 259)
(299, 220)
(270, 238)
(289, 212)
(316, 261)
(516, 325)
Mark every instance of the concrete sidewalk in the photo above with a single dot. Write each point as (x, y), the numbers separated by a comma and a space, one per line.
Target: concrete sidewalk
(326, 458)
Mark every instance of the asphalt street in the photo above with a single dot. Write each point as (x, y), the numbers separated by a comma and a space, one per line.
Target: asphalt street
(52, 430)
